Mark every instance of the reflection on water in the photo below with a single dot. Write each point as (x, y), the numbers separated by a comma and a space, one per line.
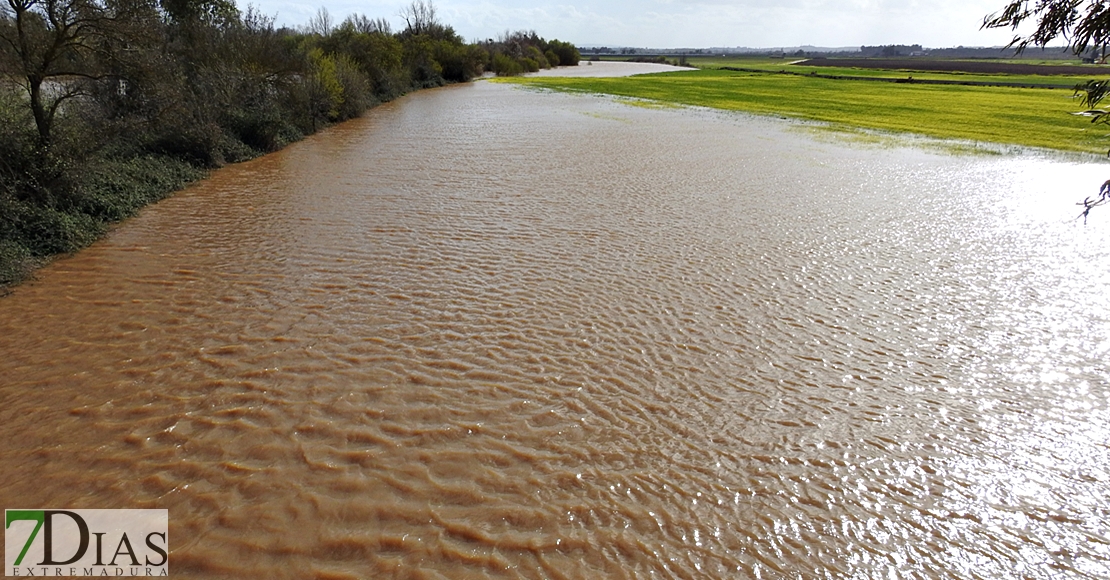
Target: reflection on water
(487, 332)
(603, 68)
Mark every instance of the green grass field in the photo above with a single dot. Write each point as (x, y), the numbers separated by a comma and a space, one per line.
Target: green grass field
(769, 64)
(1016, 116)
(1033, 80)
(780, 65)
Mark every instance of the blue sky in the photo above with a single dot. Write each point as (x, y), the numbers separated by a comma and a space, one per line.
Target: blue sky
(692, 23)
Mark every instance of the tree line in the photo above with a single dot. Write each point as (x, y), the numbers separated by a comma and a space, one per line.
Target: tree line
(108, 105)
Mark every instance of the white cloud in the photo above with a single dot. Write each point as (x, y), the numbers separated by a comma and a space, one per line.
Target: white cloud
(696, 23)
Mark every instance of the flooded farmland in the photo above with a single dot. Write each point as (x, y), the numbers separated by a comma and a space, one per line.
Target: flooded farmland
(487, 332)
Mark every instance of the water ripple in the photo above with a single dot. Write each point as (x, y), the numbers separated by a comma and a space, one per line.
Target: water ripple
(492, 333)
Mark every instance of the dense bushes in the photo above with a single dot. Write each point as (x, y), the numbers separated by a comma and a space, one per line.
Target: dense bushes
(57, 207)
(520, 52)
(143, 97)
(110, 190)
(566, 52)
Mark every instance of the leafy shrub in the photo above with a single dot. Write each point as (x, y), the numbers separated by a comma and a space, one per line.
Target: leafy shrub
(198, 144)
(458, 62)
(568, 54)
(16, 263)
(419, 58)
(325, 90)
(380, 57)
(505, 66)
(45, 231)
(533, 53)
(357, 94)
(115, 189)
(263, 130)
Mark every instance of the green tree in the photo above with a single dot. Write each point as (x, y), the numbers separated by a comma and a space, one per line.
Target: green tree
(566, 52)
(325, 89)
(525, 51)
(374, 50)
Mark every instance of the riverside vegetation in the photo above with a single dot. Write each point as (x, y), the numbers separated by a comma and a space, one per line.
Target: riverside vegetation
(108, 106)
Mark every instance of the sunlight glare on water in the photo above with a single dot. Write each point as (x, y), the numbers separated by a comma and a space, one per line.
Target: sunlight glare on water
(495, 333)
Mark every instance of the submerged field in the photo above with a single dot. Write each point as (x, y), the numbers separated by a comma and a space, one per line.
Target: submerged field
(1036, 73)
(1034, 117)
(1020, 71)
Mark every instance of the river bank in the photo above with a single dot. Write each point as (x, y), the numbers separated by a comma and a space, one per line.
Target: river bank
(683, 343)
(128, 126)
(113, 190)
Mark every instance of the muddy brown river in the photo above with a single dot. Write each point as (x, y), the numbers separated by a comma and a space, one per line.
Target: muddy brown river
(488, 332)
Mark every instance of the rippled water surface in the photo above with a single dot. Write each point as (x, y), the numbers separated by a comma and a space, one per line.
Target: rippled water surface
(487, 332)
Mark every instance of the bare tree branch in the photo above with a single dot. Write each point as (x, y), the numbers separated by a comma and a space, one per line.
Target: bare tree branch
(419, 17)
(1084, 25)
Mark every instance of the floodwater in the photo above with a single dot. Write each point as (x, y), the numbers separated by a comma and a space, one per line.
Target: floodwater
(604, 68)
(487, 332)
